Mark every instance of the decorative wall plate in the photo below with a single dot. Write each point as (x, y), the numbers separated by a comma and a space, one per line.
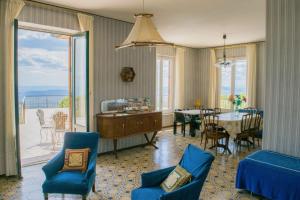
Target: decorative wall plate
(127, 74)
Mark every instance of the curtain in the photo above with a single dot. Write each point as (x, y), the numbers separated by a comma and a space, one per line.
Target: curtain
(179, 78)
(86, 23)
(251, 74)
(10, 9)
(214, 83)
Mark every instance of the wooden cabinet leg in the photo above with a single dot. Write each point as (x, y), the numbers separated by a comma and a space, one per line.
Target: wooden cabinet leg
(115, 147)
(151, 141)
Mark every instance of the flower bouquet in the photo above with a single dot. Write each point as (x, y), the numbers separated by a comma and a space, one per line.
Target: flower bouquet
(237, 101)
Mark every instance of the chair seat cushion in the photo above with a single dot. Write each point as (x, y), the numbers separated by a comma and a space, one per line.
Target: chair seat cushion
(68, 183)
(151, 193)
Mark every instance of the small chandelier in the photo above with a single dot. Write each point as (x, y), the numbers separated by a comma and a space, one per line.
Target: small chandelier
(224, 62)
(143, 33)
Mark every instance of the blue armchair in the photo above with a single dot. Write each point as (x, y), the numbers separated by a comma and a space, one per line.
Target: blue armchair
(72, 182)
(194, 160)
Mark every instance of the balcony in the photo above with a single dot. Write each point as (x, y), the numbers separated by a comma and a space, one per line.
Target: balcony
(43, 122)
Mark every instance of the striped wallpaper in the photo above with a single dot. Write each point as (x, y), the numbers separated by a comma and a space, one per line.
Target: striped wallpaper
(261, 74)
(49, 16)
(190, 67)
(282, 102)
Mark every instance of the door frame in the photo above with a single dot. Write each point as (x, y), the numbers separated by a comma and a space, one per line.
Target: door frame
(16, 94)
(18, 26)
(87, 92)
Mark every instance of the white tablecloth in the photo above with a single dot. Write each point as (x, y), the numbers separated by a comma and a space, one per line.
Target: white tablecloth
(231, 122)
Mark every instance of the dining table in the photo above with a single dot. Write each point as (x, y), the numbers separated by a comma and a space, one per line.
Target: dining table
(231, 121)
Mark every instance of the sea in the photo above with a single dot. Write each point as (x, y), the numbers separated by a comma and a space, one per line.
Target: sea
(41, 96)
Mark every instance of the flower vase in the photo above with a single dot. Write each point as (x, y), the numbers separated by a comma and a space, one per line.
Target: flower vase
(236, 110)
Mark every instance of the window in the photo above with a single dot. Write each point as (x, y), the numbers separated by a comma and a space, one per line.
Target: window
(233, 82)
(164, 84)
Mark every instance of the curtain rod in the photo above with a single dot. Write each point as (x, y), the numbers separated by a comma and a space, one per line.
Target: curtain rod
(70, 10)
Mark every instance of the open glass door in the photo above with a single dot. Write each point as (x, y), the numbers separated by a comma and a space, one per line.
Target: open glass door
(80, 81)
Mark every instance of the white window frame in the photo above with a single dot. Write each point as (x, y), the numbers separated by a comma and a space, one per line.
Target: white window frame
(233, 76)
(159, 79)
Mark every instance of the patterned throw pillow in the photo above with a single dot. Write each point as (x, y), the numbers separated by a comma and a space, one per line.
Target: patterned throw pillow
(76, 159)
(177, 178)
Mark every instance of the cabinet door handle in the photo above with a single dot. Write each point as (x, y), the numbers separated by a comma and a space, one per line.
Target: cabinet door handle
(123, 125)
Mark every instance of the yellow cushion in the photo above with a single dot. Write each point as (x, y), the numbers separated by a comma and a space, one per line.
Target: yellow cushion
(76, 159)
(177, 178)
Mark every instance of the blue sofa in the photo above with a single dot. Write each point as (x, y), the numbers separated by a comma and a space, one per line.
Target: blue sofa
(72, 182)
(194, 160)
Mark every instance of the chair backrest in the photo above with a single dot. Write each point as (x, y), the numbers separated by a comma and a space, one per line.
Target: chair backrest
(79, 140)
(179, 117)
(197, 162)
(217, 111)
(257, 120)
(60, 119)
(210, 121)
(41, 116)
(207, 111)
(246, 122)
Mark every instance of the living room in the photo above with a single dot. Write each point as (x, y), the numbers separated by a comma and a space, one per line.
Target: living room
(147, 91)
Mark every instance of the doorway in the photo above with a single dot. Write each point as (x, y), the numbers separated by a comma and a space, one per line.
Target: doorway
(52, 88)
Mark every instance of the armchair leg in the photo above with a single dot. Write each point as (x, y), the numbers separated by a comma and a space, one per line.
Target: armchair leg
(84, 197)
(94, 188)
(174, 128)
(46, 196)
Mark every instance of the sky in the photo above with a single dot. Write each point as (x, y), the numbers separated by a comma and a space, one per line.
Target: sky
(42, 60)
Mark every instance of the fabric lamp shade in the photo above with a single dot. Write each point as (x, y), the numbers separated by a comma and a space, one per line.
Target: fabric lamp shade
(143, 33)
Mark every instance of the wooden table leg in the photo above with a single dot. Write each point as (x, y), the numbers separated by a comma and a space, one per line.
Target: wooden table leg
(115, 147)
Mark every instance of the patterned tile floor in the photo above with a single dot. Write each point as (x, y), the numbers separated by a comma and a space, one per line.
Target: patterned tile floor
(117, 177)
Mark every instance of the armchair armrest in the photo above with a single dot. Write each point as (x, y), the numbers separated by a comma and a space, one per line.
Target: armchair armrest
(54, 165)
(189, 191)
(154, 178)
(91, 167)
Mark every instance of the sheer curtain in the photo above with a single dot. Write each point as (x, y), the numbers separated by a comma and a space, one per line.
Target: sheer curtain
(214, 82)
(86, 23)
(179, 78)
(10, 9)
(251, 74)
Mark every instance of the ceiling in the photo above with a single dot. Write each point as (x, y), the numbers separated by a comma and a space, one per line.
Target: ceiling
(192, 23)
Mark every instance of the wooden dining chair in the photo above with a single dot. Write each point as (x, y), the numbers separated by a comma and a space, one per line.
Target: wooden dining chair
(213, 133)
(255, 129)
(244, 135)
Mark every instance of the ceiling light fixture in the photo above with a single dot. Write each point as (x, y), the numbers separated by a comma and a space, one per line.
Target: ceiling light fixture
(225, 62)
(143, 33)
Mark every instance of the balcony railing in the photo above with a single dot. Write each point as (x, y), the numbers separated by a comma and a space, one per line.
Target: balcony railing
(34, 102)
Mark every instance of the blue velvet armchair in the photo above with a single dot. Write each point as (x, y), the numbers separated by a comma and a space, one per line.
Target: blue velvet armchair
(194, 160)
(72, 182)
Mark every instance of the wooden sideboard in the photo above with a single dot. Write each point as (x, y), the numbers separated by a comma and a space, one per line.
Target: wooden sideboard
(115, 126)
